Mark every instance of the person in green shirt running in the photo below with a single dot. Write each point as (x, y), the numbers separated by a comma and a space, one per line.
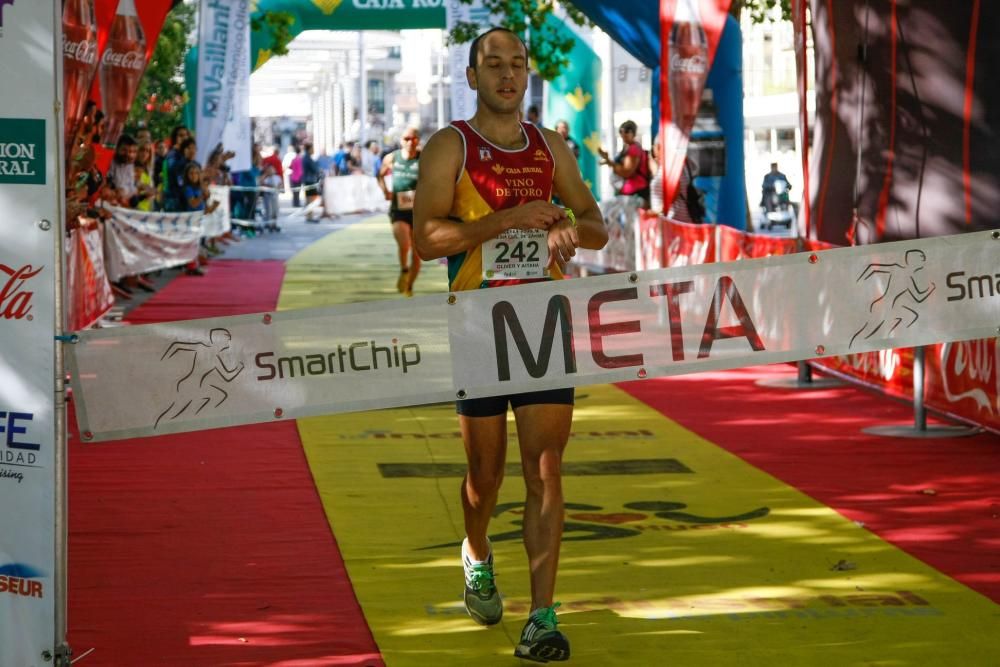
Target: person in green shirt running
(404, 167)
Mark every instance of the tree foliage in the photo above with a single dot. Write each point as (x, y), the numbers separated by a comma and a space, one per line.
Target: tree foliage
(762, 11)
(159, 102)
(549, 53)
(278, 26)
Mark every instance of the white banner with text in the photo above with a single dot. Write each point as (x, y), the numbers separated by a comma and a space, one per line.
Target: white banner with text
(222, 114)
(31, 229)
(199, 374)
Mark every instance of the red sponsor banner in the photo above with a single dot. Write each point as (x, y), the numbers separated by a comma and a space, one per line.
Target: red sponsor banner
(80, 49)
(800, 28)
(650, 255)
(964, 380)
(735, 244)
(685, 243)
(88, 294)
(689, 36)
(125, 47)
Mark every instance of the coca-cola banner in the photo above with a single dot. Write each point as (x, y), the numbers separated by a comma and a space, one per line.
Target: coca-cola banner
(222, 111)
(906, 124)
(689, 35)
(961, 378)
(30, 239)
(80, 51)
(126, 37)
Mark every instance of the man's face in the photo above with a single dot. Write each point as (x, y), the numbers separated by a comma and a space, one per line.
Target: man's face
(191, 151)
(501, 74)
(563, 129)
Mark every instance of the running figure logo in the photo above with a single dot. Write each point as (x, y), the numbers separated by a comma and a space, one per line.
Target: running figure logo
(903, 291)
(204, 380)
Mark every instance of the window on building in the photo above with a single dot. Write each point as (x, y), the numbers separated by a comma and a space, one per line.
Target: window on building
(376, 95)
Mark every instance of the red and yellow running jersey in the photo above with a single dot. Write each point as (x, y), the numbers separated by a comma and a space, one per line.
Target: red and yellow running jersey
(492, 179)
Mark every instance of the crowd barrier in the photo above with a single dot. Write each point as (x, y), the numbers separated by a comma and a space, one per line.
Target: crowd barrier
(88, 293)
(197, 374)
(352, 194)
(129, 243)
(962, 378)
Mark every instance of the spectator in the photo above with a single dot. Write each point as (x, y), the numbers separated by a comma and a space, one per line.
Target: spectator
(295, 176)
(121, 173)
(340, 160)
(562, 127)
(312, 179)
(274, 161)
(533, 116)
(630, 166)
(371, 159)
(143, 180)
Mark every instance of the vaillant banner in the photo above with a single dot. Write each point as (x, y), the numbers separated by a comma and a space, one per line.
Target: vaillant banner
(223, 91)
(463, 98)
(30, 228)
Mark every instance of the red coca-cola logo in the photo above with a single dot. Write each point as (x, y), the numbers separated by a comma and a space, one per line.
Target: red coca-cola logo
(128, 60)
(697, 64)
(969, 373)
(84, 51)
(15, 300)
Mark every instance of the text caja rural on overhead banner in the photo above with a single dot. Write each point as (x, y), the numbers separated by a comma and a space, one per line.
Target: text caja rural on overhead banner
(199, 374)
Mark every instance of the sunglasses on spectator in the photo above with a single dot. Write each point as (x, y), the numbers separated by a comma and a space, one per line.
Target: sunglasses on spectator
(411, 138)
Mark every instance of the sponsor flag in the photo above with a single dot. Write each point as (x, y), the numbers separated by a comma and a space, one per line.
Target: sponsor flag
(689, 36)
(463, 98)
(222, 112)
(31, 132)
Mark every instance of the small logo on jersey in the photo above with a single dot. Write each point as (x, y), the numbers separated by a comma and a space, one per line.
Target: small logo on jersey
(485, 155)
(498, 169)
(540, 156)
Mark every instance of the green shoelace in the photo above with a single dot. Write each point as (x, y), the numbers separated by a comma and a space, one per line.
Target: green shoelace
(546, 617)
(481, 578)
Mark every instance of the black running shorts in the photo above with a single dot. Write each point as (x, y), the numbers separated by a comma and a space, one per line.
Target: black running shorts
(395, 215)
(492, 406)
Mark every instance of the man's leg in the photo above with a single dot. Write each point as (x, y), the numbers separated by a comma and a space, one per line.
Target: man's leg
(543, 431)
(486, 452)
(401, 232)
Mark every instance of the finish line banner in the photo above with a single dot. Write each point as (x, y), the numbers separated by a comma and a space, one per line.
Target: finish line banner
(199, 374)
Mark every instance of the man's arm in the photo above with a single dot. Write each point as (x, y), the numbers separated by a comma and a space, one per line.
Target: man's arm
(575, 194)
(380, 177)
(434, 234)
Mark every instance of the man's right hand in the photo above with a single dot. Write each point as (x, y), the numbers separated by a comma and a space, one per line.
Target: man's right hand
(536, 214)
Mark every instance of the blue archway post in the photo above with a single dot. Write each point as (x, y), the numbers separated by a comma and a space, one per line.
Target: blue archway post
(726, 83)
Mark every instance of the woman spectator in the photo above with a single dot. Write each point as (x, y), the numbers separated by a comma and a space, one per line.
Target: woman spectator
(631, 164)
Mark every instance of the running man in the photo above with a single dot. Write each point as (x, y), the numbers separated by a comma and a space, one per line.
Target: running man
(404, 166)
(479, 179)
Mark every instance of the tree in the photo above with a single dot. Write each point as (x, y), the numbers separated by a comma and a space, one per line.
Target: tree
(546, 50)
(278, 26)
(762, 11)
(159, 102)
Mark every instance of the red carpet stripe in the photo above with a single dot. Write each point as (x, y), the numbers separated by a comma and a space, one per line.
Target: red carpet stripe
(208, 548)
(937, 499)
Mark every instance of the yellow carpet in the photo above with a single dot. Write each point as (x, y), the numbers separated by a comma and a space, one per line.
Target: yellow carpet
(676, 552)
